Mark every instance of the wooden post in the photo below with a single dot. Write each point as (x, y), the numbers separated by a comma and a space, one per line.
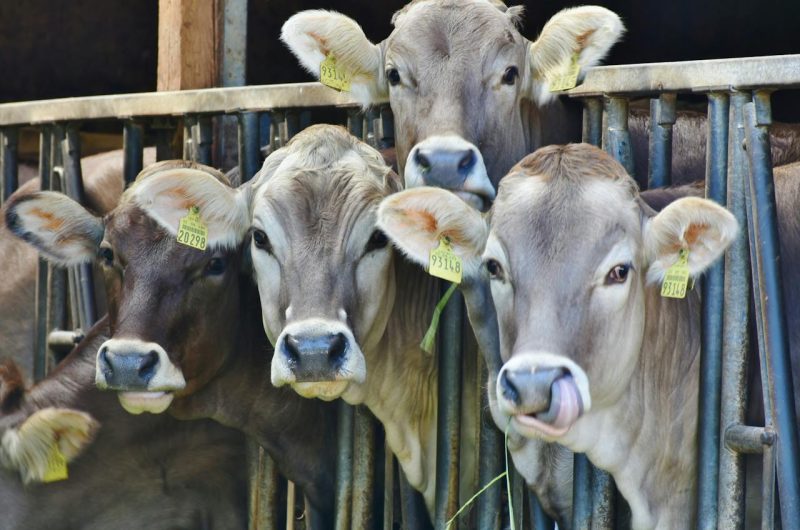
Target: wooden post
(187, 44)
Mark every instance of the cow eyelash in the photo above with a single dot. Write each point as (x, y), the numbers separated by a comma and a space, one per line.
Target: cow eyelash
(494, 269)
(510, 75)
(261, 241)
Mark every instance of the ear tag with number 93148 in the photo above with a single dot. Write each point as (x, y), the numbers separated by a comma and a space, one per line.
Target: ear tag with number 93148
(191, 230)
(330, 75)
(443, 262)
(676, 278)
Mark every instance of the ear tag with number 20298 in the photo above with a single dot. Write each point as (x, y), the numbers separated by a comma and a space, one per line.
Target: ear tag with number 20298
(191, 230)
(443, 262)
(677, 277)
(330, 75)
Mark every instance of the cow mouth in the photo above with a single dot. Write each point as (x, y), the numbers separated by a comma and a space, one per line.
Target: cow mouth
(480, 202)
(138, 402)
(566, 406)
(324, 390)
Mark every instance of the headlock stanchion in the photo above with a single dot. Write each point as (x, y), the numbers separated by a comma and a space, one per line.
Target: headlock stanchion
(741, 179)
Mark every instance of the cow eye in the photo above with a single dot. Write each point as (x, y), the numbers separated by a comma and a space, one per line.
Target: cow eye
(376, 241)
(510, 75)
(215, 266)
(618, 274)
(494, 269)
(393, 76)
(261, 240)
(107, 255)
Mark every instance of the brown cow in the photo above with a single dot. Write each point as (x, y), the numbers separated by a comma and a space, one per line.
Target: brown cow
(186, 331)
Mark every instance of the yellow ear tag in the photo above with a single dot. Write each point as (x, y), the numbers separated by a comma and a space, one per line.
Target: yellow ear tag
(566, 80)
(191, 230)
(443, 262)
(677, 277)
(333, 77)
(56, 466)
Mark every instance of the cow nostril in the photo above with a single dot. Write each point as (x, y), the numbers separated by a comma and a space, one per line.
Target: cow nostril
(291, 348)
(149, 363)
(422, 161)
(337, 349)
(105, 365)
(467, 161)
(510, 391)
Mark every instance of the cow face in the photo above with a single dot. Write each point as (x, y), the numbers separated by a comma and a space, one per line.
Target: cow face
(170, 305)
(571, 254)
(323, 269)
(460, 79)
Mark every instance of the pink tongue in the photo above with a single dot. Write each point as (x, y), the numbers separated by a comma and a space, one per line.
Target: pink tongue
(570, 403)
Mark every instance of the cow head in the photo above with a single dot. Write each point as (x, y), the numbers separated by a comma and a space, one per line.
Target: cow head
(573, 254)
(323, 268)
(466, 88)
(171, 307)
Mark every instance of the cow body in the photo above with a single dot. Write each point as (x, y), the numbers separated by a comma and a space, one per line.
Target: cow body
(139, 472)
(185, 326)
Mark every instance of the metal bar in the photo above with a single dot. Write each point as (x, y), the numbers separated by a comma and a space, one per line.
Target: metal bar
(539, 519)
(389, 465)
(355, 122)
(448, 420)
(291, 123)
(344, 466)
(291, 499)
(57, 276)
(768, 489)
(662, 118)
(701, 76)
(581, 492)
(71, 153)
(593, 121)
(175, 103)
(617, 141)
(412, 505)
(749, 440)
(249, 154)
(773, 329)
(518, 490)
(726, 154)
(40, 311)
(363, 468)
(202, 139)
(711, 327)
(189, 150)
(267, 490)
(164, 130)
(133, 149)
(603, 491)
(490, 465)
(8, 160)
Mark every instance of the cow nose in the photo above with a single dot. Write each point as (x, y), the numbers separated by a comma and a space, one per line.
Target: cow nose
(528, 390)
(315, 358)
(445, 168)
(126, 370)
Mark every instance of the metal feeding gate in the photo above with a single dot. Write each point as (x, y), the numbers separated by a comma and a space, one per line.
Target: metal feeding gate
(738, 174)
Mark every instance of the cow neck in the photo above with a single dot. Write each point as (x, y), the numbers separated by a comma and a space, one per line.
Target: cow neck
(402, 380)
(654, 459)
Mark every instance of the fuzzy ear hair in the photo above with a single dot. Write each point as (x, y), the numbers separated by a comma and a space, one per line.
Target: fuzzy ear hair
(589, 31)
(58, 227)
(312, 35)
(168, 195)
(700, 226)
(416, 219)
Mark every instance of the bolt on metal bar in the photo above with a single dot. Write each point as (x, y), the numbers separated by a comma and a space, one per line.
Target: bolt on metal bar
(662, 118)
(581, 492)
(748, 440)
(711, 317)
(593, 121)
(71, 153)
(133, 150)
(249, 153)
(40, 311)
(449, 414)
(364, 460)
(757, 119)
(202, 140)
(9, 137)
(736, 308)
(617, 140)
(344, 466)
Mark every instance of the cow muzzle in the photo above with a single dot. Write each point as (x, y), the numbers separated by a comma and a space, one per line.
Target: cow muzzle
(452, 163)
(141, 372)
(319, 358)
(543, 394)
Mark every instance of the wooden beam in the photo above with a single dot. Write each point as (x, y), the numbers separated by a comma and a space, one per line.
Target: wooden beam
(187, 43)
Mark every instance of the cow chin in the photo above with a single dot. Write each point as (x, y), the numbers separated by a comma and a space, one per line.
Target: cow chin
(326, 391)
(542, 394)
(139, 402)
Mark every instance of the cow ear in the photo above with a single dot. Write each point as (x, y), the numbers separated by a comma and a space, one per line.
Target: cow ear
(587, 31)
(699, 226)
(314, 34)
(170, 194)
(416, 219)
(58, 227)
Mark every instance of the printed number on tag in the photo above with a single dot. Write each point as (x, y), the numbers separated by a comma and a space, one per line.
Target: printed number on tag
(567, 80)
(191, 230)
(443, 262)
(677, 277)
(330, 75)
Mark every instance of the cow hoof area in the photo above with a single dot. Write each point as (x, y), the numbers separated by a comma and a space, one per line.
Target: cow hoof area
(30, 448)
